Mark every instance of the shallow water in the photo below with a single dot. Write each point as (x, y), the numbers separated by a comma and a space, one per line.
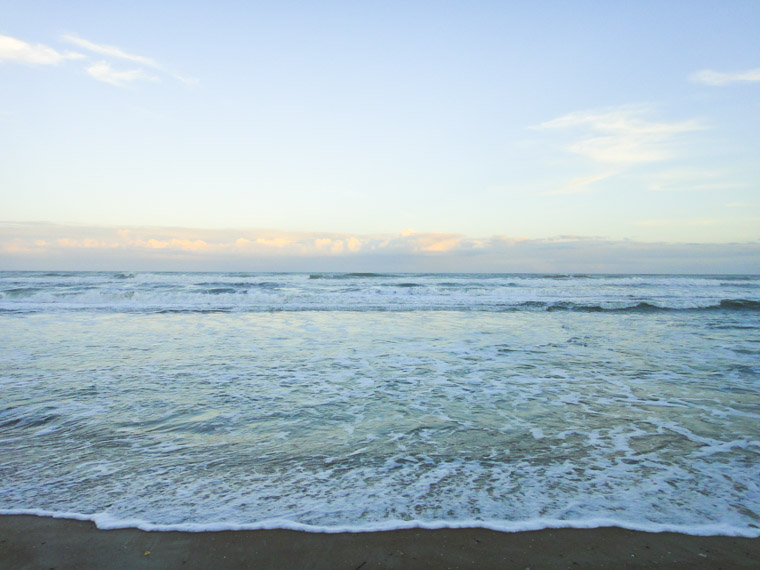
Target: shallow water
(334, 401)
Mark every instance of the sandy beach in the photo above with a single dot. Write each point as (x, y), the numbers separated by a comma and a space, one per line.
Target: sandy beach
(39, 542)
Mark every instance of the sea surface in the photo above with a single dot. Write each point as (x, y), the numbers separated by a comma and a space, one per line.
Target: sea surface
(358, 401)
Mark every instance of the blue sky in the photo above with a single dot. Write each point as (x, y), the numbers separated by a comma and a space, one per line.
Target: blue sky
(426, 134)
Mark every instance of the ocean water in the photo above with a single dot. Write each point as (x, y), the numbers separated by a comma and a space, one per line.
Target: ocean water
(334, 402)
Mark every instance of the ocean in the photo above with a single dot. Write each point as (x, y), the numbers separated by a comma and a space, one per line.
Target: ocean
(360, 401)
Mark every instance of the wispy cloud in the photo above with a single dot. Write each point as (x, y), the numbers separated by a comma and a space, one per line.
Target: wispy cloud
(691, 181)
(581, 184)
(111, 51)
(621, 135)
(19, 51)
(102, 71)
(718, 78)
(661, 223)
(106, 68)
(118, 53)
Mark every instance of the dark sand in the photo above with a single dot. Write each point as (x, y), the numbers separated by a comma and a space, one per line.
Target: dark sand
(40, 542)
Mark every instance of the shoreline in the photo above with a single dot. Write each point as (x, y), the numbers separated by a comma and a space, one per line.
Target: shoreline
(104, 521)
(30, 541)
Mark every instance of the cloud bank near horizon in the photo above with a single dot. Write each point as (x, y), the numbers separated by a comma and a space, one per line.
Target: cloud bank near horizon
(42, 246)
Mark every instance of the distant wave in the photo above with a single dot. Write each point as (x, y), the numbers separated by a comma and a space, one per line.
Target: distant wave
(227, 306)
(348, 275)
(568, 276)
(740, 304)
(365, 275)
(211, 288)
(643, 307)
(367, 291)
(20, 292)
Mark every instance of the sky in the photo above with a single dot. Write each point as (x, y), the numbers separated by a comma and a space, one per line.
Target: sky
(396, 136)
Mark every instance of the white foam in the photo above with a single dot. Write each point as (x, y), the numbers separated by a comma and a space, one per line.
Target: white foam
(106, 521)
(151, 292)
(369, 421)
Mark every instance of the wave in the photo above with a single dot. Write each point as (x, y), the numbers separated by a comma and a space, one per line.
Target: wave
(349, 275)
(740, 304)
(739, 277)
(227, 305)
(58, 274)
(189, 310)
(107, 521)
(366, 291)
(366, 274)
(564, 276)
(642, 307)
(241, 284)
(219, 290)
(16, 292)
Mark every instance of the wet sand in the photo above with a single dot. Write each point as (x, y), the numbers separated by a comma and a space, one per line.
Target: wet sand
(41, 542)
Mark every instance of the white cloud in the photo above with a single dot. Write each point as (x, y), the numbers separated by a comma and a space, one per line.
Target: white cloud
(581, 184)
(102, 71)
(353, 244)
(229, 242)
(18, 51)
(433, 242)
(118, 53)
(111, 51)
(12, 49)
(689, 181)
(717, 78)
(271, 242)
(660, 223)
(621, 135)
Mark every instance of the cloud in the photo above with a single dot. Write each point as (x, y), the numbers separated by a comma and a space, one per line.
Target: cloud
(111, 51)
(171, 244)
(47, 246)
(102, 71)
(49, 237)
(676, 223)
(430, 242)
(621, 135)
(18, 51)
(717, 78)
(353, 244)
(691, 181)
(581, 184)
(118, 53)
(272, 242)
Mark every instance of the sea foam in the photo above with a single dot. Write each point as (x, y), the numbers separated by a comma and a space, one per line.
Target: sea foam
(400, 407)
